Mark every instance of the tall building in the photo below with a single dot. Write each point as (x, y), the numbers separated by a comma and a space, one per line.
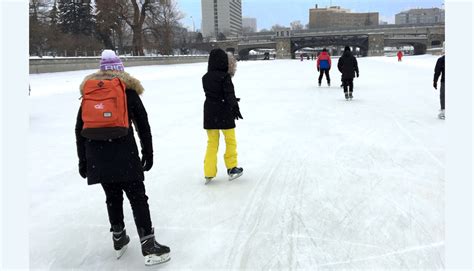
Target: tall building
(249, 24)
(420, 16)
(335, 16)
(221, 16)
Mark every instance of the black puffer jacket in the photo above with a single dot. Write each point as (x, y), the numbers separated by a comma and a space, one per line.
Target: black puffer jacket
(347, 65)
(221, 106)
(439, 70)
(117, 160)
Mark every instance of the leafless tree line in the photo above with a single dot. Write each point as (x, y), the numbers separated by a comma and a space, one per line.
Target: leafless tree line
(84, 27)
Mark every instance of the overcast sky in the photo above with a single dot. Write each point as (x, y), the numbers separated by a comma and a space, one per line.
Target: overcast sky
(271, 12)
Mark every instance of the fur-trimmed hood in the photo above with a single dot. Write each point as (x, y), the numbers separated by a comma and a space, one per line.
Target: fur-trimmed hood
(232, 64)
(130, 81)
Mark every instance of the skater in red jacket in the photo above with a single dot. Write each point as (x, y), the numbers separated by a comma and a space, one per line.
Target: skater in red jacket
(400, 55)
(324, 65)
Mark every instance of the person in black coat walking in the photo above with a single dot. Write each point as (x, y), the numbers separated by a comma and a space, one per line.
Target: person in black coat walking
(221, 109)
(347, 65)
(115, 163)
(439, 71)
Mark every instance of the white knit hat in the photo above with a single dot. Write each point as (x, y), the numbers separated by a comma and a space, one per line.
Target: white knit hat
(110, 61)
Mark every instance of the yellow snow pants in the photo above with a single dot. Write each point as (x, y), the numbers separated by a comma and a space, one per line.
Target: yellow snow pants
(230, 155)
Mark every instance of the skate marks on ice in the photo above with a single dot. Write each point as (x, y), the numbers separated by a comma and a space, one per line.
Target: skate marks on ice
(375, 257)
(367, 205)
(262, 208)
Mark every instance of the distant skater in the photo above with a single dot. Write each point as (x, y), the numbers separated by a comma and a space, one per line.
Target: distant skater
(221, 109)
(399, 55)
(347, 65)
(439, 71)
(323, 65)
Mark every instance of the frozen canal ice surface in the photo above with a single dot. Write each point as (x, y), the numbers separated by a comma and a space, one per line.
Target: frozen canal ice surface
(327, 184)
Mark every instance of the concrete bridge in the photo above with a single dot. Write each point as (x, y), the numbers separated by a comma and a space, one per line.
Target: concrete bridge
(370, 41)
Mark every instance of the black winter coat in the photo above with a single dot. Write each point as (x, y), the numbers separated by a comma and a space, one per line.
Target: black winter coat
(221, 106)
(347, 65)
(117, 160)
(439, 70)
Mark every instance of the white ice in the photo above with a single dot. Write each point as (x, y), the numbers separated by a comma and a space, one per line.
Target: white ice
(327, 183)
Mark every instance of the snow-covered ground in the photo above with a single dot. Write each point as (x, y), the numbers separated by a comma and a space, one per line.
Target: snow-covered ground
(327, 183)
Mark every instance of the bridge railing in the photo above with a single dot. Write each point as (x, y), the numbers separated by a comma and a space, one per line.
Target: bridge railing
(332, 30)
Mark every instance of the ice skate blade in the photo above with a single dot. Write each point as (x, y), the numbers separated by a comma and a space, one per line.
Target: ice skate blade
(120, 252)
(208, 180)
(155, 259)
(235, 176)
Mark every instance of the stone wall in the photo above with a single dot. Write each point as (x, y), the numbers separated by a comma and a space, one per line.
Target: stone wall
(376, 45)
(283, 48)
(44, 65)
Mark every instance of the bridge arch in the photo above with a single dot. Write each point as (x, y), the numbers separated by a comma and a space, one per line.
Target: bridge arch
(244, 49)
(419, 47)
(360, 41)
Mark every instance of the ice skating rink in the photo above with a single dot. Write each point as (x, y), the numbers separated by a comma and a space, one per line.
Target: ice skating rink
(327, 184)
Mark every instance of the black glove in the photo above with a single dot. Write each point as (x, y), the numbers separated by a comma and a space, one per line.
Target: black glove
(236, 113)
(357, 75)
(318, 69)
(83, 168)
(435, 84)
(147, 162)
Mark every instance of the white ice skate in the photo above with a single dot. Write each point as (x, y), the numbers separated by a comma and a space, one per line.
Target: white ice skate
(153, 259)
(441, 114)
(208, 179)
(120, 252)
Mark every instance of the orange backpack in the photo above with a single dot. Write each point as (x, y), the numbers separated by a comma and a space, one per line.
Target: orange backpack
(104, 109)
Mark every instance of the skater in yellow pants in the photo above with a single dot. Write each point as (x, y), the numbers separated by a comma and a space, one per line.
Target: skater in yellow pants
(221, 110)
(230, 156)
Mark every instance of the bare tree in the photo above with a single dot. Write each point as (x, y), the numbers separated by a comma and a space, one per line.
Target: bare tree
(38, 20)
(134, 14)
(163, 25)
(296, 25)
(278, 27)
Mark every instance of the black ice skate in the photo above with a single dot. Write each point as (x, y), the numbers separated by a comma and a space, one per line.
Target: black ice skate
(319, 83)
(346, 95)
(153, 252)
(121, 241)
(350, 96)
(235, 173)
(329, 84)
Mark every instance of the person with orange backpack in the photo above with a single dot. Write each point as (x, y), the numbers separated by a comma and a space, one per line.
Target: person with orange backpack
(323, 65)
(108, 153)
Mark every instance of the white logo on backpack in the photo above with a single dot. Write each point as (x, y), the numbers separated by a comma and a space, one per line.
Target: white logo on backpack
(99, 106)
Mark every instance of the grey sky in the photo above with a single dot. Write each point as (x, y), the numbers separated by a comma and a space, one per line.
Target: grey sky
(270, 12)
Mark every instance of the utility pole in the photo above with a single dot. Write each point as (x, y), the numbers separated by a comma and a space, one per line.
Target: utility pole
(194, 27)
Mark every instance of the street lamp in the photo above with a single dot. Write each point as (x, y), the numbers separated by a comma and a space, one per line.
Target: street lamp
(194, 27)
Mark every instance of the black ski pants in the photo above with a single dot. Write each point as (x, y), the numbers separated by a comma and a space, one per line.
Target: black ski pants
(348, 83)
(441, 95)
(321, 73)
(135, 192)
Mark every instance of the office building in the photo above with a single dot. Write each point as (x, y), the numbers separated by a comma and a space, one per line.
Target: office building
(420, 16)
(249, 24)
(336, 17)
(221, 16)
